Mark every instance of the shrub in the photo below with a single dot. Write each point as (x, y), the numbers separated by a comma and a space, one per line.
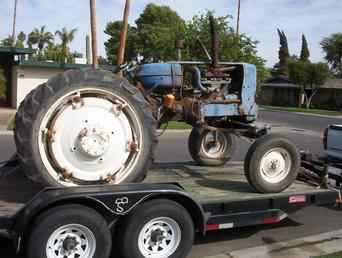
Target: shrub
(2, 84)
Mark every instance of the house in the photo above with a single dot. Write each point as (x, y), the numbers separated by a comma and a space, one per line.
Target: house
(280, 91)
(23, 75)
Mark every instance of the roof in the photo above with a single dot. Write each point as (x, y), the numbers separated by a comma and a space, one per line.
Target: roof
(333, 84)
(16, 51)
(285, 83)
(54, 65)
(280, 85)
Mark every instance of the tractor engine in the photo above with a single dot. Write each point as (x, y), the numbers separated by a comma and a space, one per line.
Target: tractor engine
(198, 93)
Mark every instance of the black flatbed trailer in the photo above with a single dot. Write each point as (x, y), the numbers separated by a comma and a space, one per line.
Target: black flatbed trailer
(215, 198)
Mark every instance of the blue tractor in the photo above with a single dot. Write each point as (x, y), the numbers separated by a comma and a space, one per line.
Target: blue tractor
(95, 127)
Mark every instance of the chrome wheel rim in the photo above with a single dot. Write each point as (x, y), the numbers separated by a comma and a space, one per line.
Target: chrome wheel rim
(90, 136)
(159, 238)
(71, 241)
(275, 165)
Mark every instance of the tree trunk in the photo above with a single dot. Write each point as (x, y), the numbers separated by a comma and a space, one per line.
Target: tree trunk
(309, 99)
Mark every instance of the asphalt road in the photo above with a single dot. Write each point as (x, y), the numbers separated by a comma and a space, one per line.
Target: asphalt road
(305, 131)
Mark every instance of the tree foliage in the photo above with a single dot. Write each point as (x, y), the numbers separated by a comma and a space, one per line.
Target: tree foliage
(39, 37)
(310, 76)
(7, 42)
(281, 68)
(305, 52)
(113, 30)
(332, 47)
(159, 27)
(2, 84)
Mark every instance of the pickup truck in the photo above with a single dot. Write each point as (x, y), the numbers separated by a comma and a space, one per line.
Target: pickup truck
(333, 142)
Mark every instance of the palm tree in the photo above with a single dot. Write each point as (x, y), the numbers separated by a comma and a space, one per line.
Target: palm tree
(66, 37)
(40, 37)
(332, 47)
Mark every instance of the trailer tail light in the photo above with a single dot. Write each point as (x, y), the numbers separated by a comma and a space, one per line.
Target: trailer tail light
(325, 138)
(271, 220)
(297, 199)
(214, 227)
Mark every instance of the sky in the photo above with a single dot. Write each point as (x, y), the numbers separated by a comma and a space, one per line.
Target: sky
(259, 19)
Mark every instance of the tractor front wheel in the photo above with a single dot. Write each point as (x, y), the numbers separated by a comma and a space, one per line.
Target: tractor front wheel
(211, 148)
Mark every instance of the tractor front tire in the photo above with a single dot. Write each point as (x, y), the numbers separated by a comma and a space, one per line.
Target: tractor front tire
(85, 127)
(272, 164)
(208, 151)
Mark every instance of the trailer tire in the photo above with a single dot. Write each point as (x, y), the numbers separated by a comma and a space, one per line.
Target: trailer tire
(272, 164)
(74, 227)
(57, 120)
(215, 156)
(154, 221)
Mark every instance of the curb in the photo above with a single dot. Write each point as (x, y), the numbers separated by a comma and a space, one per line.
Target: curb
(5, 132)
(311, 246)
(300, 113)
(175, 131)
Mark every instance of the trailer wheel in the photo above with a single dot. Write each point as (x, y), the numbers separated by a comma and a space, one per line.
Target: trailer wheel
(208, 151)
(85, 127)
(272, 164)
(69, 231)
(158, 228)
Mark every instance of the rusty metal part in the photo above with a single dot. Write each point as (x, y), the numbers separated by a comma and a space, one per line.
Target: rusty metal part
(83, 133)
(77, 101)
(179, 46)
(169, 101)
(215, 44)
(66, 174)
(50, 135)
(132, 147)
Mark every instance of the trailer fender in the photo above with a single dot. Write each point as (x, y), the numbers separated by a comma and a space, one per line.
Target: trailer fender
(111, 202)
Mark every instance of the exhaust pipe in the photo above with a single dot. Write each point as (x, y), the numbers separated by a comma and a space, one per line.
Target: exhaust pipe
(215, 43)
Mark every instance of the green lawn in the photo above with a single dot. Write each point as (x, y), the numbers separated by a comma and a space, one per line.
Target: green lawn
(171, 125)
(11, 124)
(304, 110)
(335, 255)
(177, 126)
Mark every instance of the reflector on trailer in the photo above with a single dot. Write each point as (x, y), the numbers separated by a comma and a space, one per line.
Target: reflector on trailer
(297, 199)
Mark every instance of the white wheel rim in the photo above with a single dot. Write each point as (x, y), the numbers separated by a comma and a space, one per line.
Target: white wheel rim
(159, 238)
(275, 165)
(94, 139)
(214, 148)
(71, 241)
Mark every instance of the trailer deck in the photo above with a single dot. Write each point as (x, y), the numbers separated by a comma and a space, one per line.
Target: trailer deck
(217, 184)
(223, 193)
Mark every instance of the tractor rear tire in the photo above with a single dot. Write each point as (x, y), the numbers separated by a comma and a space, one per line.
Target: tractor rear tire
(85, 127)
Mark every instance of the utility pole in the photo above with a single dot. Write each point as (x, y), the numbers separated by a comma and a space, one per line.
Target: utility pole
(238, 19)
(14, 22)
(121, 53)
(93, 32)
